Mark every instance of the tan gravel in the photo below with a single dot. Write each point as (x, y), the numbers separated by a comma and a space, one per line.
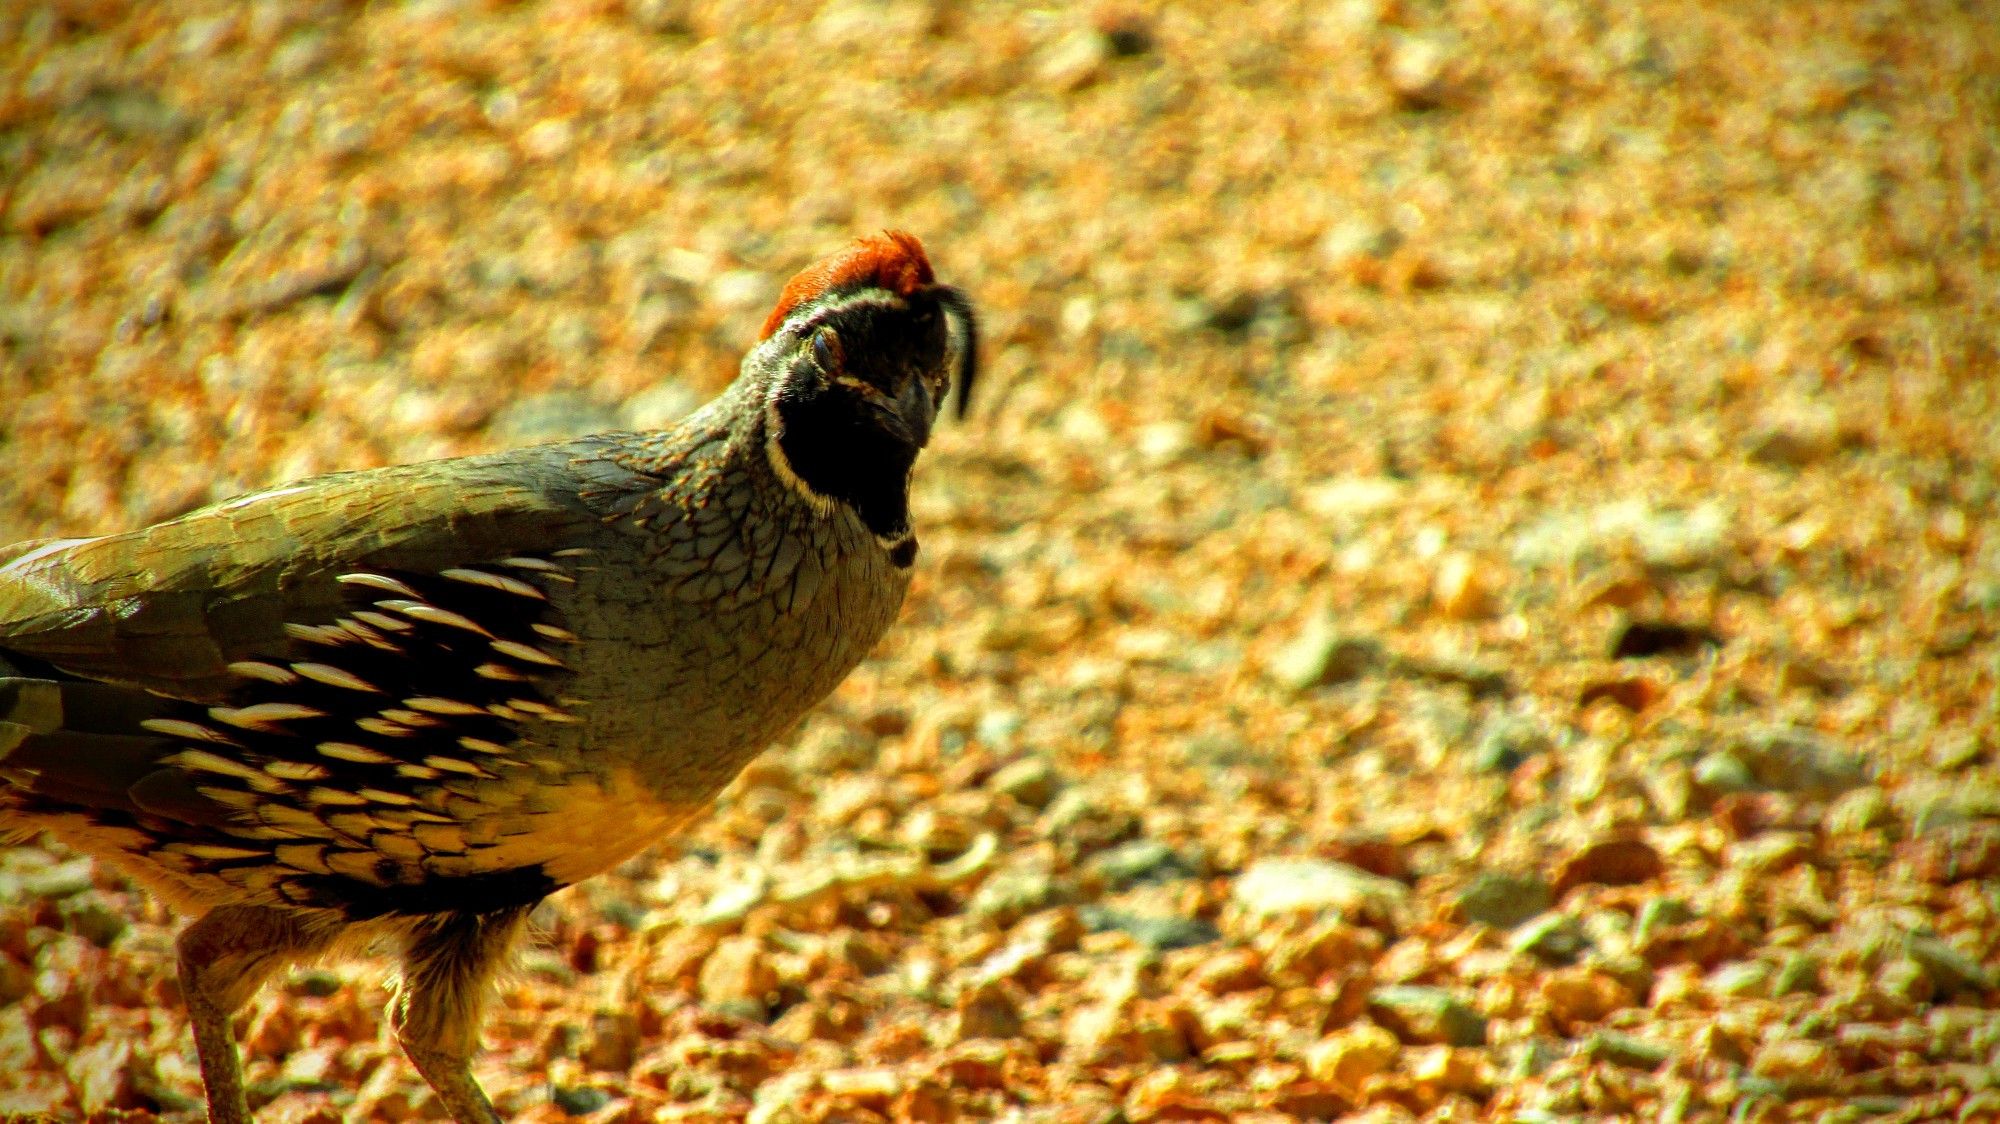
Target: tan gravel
(1471, 593)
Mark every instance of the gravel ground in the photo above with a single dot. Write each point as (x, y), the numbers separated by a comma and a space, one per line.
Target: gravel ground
(1471, 593)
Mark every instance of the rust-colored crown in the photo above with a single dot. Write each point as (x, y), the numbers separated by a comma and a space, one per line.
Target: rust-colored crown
(891, 260)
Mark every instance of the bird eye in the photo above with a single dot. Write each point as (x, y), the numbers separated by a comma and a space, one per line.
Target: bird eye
(826, 349)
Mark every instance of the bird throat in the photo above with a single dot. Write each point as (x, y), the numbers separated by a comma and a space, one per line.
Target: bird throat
(836, 456)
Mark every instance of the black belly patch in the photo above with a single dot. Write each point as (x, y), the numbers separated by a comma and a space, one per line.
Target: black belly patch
(471, 893)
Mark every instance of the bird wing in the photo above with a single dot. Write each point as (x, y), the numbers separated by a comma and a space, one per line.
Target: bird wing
(384, 649)
(168, 607)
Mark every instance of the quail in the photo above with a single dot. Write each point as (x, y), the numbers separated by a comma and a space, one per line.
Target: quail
(408, 703)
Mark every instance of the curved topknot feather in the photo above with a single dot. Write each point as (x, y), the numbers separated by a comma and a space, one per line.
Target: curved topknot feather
(892, 260)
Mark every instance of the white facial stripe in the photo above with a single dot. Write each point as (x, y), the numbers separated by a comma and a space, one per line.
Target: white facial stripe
(813, 312)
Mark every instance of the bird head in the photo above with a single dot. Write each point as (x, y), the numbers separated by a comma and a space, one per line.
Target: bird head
(861, 347)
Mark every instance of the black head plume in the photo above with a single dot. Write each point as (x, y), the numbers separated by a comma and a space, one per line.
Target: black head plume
(959, 308)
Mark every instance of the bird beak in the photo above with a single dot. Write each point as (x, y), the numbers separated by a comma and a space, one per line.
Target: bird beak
(915, 409)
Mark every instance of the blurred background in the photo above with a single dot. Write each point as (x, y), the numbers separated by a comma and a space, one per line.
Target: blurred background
(1469, 592)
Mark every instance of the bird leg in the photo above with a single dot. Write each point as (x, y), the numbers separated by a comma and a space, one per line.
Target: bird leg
(447, 976)
(225, 956)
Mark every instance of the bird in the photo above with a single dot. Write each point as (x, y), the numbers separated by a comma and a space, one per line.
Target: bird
(405, 704)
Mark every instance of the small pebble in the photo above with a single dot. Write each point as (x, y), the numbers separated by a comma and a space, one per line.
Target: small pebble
(1427, 1015)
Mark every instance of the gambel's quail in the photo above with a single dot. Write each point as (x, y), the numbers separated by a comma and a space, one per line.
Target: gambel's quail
(411, 702)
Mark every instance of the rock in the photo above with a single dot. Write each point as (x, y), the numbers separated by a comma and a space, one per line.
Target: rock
(88, 917)
(1142, 860)
(101, 1074)
(1626, 1051)
(742, 290)
(1229, 970)
(997, 728)
(1503, 900)
(777, 1100)
(391, 1094)
(1672, 539)
(1078, 820)
(1306, 1100)
(1746, 978)
(936, 833)
(827, 748)
(1419, 69)
(1350, 498)
(1611, 862)
(1858, 811)
(1341, 245)
(1346, 1058)
(1122, 1032)
(1160, 934)
(1722, 773)
(1329, 949)
(1582, 995)
(1955, 750)
(1794, 436)
(1321, 654)
(610, 1043)
(578, 1100)
(738, 975)
(1373, 853)
(1533, 1057)
(1452, 1069)
(1772, 852)
(1075, 61)
(1506, 740)
(1553, 937)
(733, 900)
(988, 1009)
(1658, 914)
(1982, 1104)
(660, 405)
(1032, 781)
(54, 881)
(1800, 761)
(1276, 886)
(1461, 588)
(1927, 803)
(1162, 443)
(654, 316)
(310, 1068)
(297, 1107)
(1798, 974)
(16, 981)
(1953, 971)
(552, 416)
(1051, 931)
(1014, 892)
(1791, 1059)
(1907, 980)
(1427, 1016)
(1714, 1044)
(1954, 853)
